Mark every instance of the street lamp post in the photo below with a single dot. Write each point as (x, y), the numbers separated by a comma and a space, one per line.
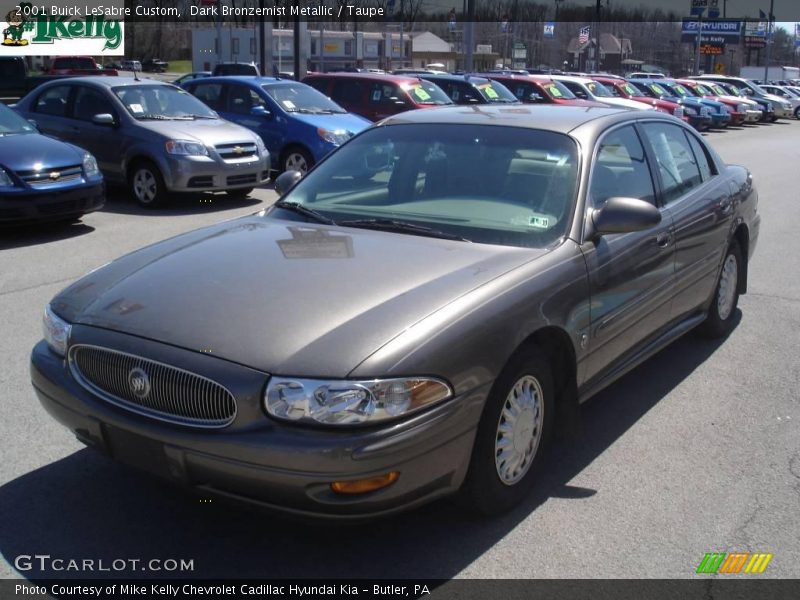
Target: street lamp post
(769, 39)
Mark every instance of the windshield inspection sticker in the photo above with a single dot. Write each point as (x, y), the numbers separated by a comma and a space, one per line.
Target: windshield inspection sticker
(538, 222)
(137, 108)
(289, 104)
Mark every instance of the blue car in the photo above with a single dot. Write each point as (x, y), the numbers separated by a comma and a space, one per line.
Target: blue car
(718, 111)
(696, 111)
(298, 124)
(42, 179)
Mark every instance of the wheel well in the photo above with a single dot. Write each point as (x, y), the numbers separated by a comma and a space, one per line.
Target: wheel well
(135, 161)
(742, 237)
(557, 346)
(294, 146)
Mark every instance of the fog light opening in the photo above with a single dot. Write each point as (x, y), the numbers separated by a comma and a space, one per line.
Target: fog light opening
(362, 486)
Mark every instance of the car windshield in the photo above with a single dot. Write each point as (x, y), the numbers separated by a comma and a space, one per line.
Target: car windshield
(12, 124)
(599, 90)
(558, 90)
(161, 102)
(425, 92)
(658, 90)
(630, 89)
(488, 184)
(494, 92)
(297, 97)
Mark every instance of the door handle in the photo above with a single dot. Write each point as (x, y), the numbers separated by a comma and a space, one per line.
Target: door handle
(663, 239)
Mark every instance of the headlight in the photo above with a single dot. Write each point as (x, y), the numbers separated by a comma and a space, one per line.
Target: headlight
(262, 149)
(349, 402)
(678, 111)
(5, 180)
(742, 108)
(690, 111)
(186, 148)
(336, 137)
(769, 107)
(787, 106)
(726, 109)
(56, 331)
(90, 168)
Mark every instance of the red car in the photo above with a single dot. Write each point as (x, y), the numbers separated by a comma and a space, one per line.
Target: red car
(377, 96)
(532, 89)
(737, 117)
(624, 89)
(77, 65)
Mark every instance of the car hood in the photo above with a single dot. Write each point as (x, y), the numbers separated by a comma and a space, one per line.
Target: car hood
(280, 296)
(347, 121)
(625, 103)
(206, 131)
(22, 152)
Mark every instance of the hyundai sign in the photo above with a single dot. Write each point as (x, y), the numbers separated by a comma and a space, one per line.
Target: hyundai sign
(731, 28)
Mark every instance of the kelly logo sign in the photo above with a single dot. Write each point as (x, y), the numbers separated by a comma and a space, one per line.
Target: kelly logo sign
(30, 31)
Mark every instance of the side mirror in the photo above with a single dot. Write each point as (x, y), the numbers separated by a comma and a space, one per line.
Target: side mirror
(104, 119)
(624, 215)
(260, 111)
(286, 181)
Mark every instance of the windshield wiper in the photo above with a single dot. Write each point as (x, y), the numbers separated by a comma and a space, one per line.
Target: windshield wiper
(155, 117)
(403, 227)
(317, 111)
(193, 116)
(305, 211)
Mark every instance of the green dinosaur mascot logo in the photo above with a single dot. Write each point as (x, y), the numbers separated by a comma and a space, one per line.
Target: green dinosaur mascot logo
(12, 35)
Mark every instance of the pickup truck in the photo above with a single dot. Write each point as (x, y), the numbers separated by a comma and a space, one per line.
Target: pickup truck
(15, 81)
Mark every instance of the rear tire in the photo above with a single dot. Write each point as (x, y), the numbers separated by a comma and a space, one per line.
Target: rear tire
(512, 436)
(719, 320)
(146, 184)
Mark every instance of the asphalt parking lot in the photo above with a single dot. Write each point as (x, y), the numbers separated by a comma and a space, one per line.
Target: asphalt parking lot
(695, 451)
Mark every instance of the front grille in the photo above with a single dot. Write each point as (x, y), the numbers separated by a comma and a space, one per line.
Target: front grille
(152, 388)
(236, 151)
(38, 179)
(201, 181)
(242, 179)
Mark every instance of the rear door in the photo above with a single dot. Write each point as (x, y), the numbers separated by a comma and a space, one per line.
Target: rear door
(701, 204)
(631, 275)
(350, 94)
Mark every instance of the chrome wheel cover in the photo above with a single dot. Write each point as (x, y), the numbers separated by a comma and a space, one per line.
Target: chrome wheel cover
(728, 281)
(519, 430)
(296, 162)
(144, 186)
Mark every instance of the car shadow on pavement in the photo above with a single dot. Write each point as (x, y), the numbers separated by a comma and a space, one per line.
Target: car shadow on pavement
(118, 202)
(84, 506)
(40, 233)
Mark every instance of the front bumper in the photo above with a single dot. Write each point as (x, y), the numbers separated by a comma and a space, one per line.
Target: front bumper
(783, 113)
(212, 174)
(753, 116)
(698, 122)
(256, 459)
(720, 119)
(52, 204)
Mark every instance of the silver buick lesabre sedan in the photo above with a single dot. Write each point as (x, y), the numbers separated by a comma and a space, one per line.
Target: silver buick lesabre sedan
(411, 318)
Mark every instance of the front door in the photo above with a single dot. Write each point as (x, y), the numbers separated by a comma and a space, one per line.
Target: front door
(631, 275)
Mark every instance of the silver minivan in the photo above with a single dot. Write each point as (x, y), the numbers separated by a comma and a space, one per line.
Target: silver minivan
(151, 136)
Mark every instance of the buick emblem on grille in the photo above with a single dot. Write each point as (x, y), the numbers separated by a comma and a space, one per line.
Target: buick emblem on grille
(55, 175)
(139, 382)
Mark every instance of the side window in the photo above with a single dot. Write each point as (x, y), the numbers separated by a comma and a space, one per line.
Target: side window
(321, 85)
(53, 101)
(241, 99)
(466, 93)
(703, 161)
(676, 163)
(347, 91)
(209, 94)
(621, 169)
(576, 89)
(89, 102)
(385, 93)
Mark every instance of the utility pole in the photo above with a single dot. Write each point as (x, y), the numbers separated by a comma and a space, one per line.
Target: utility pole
(697, 53)
(219, 31)
(468, 36)
(769, 39)
(262, 41)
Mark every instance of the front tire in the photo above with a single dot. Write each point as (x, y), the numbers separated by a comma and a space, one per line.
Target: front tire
(297, 159)
(147, 185)
(512, 436)
(719, 321)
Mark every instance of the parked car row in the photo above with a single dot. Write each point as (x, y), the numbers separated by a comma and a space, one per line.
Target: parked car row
(226, 133)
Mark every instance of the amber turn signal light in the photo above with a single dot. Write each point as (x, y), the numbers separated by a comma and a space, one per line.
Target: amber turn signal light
(362, 486)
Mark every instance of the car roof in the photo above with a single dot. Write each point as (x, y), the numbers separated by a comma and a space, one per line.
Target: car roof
(562, 119)
(256, 80)
(109, 81)
(367, 76)
(449, 77)
(572, 78)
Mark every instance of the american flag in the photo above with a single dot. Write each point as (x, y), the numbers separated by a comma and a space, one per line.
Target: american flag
(583, 38)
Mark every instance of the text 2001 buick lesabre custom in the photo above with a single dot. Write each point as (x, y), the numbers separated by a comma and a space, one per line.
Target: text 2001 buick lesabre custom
(411, 317)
